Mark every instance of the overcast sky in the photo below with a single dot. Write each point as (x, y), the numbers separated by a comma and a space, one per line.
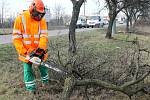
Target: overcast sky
(91, 6)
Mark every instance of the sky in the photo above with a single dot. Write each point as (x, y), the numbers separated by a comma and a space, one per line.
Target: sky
(91, 6)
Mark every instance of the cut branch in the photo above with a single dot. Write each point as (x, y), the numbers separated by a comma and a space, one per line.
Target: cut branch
(127, 84)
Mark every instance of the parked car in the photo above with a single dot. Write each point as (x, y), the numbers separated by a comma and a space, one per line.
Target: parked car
(95, 21)
(81, 23)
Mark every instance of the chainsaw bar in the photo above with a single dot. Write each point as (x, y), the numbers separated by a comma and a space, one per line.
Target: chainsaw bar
(62, 71)
(55, 68)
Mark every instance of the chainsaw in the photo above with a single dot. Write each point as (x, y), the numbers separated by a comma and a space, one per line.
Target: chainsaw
(36, 57)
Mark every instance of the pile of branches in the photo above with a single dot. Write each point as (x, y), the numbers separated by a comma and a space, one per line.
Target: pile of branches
(122, 69)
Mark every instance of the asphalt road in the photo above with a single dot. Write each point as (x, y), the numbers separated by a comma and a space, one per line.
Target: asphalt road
(6, 39)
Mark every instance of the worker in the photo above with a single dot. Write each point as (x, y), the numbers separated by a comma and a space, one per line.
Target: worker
(29, 34)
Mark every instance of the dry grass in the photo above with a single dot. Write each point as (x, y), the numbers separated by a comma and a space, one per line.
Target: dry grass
(11, 87)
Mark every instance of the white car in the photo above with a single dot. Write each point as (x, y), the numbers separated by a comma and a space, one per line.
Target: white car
(95, 21)
(81, 24)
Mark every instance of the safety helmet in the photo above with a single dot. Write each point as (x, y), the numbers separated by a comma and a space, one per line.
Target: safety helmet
(37, 10)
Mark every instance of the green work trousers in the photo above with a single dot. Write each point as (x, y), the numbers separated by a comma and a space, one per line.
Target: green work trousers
(29, 77)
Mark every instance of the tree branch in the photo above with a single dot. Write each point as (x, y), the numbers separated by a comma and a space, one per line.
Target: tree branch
(127, 84)
(99, 83)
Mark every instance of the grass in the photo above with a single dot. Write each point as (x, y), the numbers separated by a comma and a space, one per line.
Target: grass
(11, 69)
(5, 31)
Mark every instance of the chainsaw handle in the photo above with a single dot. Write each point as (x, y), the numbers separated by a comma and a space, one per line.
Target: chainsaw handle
(38, 53)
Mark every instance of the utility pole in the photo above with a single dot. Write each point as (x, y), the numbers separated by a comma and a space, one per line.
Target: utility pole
(84, 7)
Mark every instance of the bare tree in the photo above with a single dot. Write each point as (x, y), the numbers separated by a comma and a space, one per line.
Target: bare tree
(100, 6)
(67, 19)
(75, 14)
(59, 12)
(115, 6)
(10, 21)
(133, 12)
(3, 7)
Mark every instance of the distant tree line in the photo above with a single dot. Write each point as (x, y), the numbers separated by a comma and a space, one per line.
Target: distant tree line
(57, 18)
(7, 23)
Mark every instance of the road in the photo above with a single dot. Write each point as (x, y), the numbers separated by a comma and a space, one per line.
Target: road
(6, 39)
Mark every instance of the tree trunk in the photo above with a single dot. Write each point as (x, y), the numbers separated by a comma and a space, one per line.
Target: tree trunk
(127, 24)
(110, 25)
(72, 27)
(131, 24)
(68, 88)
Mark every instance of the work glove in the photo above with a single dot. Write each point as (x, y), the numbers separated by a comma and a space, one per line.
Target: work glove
(37, 56)
(39, 53)
(27, 57)
(36, 61)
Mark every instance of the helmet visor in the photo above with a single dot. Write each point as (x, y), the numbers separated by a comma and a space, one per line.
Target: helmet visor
(37, 15)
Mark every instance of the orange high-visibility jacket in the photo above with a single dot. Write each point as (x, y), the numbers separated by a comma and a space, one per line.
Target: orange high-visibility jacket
(29, 35)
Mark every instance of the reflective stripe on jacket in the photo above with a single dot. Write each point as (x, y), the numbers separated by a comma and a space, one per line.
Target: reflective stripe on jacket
(29, 35)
